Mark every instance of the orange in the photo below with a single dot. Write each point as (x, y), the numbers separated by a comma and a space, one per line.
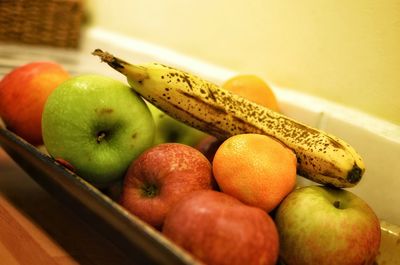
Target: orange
(252, 88)
(255, 169)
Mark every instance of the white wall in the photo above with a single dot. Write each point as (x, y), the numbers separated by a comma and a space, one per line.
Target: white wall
(346, 51)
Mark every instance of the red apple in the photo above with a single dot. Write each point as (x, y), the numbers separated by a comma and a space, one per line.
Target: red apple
(220, 230)
(208, 146)
(162, 176)
(23, 93)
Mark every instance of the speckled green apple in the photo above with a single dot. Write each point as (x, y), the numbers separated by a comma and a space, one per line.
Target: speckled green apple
(327, 226)
(97, 125)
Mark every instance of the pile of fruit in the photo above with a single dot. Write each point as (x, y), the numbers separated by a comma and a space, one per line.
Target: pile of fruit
(212, 168)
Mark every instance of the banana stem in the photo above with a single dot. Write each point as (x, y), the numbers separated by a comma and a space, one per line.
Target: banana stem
(136, 73)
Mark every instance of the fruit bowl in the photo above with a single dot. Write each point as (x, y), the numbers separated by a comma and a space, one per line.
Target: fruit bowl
(147, 246)
(137, 239)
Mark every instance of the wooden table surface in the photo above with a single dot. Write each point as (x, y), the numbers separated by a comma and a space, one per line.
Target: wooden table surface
(36, 229)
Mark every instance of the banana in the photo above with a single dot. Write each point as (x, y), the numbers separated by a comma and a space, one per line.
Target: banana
(321, 157)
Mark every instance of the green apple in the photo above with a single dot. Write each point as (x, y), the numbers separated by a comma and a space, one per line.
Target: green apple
(322, 225)
(96, 125)
(170, 130)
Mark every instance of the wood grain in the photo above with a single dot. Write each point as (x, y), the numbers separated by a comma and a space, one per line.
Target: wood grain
(20, 243)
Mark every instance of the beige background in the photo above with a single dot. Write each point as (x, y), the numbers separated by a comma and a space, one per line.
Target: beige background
(345, 51)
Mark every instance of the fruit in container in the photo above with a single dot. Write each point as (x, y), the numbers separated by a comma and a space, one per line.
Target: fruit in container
(23, 93)
(255, 169)
(320, 156)
(96, 125)
(252, 88)
(319, 225)
(170, 130)
(208, 145)
(161, 177)
(220, 230)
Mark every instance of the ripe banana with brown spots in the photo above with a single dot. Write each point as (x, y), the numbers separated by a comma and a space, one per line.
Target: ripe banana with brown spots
(321, 157)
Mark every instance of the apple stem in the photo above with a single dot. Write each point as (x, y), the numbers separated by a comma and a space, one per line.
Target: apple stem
(100, 136)
(336, 204)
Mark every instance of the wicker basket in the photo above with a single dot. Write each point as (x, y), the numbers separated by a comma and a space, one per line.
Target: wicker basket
(46, 22)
